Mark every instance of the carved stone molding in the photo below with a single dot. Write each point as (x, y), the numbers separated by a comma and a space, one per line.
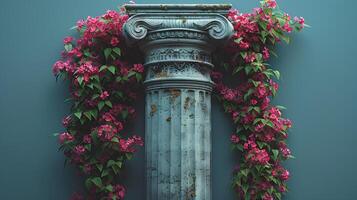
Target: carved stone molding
(178, 54)
(177, 42)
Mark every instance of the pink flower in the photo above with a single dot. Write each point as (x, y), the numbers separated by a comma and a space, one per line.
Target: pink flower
(267, 196)
(87, 139)
(228, 94)
(66, 121)
(253, 102)
(287, 27)
(79, 149)
(257, 156)
(138, 140)
(60, 66)
(67, 40)
(282, 188)
(108, 117)
(65, 137)
(244, 45)
(235, 115)
(300, 20)
(265, 103)
(87, 70)
(139, 68)
(126, 145)
(250, 58)
(107, 132)
(235, 139)
(285, 175)
(274, 85)
(266, 53)
(114, 41)
(271, 3)
(119, 191)
(104, 95)
(261, 91)
(259, 127)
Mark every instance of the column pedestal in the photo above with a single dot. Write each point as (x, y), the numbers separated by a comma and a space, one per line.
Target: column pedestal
(177, 41)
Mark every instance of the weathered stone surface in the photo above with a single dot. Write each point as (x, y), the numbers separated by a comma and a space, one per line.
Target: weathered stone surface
(177, 41)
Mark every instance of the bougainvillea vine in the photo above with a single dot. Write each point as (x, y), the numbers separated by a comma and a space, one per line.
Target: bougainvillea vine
(105, 82)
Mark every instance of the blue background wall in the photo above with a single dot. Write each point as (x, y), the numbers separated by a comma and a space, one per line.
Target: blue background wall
(318, 86)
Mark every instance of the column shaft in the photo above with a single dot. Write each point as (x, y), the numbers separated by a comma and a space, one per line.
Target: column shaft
(178, 144)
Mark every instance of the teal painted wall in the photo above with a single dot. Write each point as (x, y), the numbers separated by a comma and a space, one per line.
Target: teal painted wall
(318, 86)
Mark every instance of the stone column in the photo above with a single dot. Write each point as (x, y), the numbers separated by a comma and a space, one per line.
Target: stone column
(177, 41)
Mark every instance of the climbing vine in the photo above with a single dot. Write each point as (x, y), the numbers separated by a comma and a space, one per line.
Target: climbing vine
(105, 79)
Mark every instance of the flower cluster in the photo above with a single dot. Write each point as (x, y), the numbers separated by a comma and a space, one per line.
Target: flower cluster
(102, 84)
(261, 130)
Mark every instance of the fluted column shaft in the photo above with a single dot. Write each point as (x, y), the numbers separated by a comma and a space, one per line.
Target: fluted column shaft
(177, 41)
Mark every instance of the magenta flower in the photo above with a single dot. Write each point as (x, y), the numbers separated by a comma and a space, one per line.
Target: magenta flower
(271, 3)
(139, 68)
(253, 102)
(266, 53)
(300, 20)
(68, 40)
(65, 137)
(285, 175)
(114, 41)
(79, 149)
(261, 91)
(66, 121)
(267, 196)
(106, 132)
(104, 95)
(87, 139)
(234, 139)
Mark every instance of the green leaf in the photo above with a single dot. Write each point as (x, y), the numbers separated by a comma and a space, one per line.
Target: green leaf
(124, 114)
(115, 139)
(250, 91)
(245, 172)
(104, 173)
(94, 113)
(103, 67)
(97, 181)
(95, 77)
(237, 69)
(108, 103)
(101, 105)
(248, 69)
(139, 77)
(78, 114)
(117, 51)
(86, 53)
(110, 163)
(100, 167)
(109, 188)
(88, 183)
(281, 107)
(68, 47)
(88, 115)
(80, 80)
(260, 144)
(112, 69)
(285, 38)
(130, 74)
(107, 52)
(275, 153)
(277, 74)
(238, 40)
